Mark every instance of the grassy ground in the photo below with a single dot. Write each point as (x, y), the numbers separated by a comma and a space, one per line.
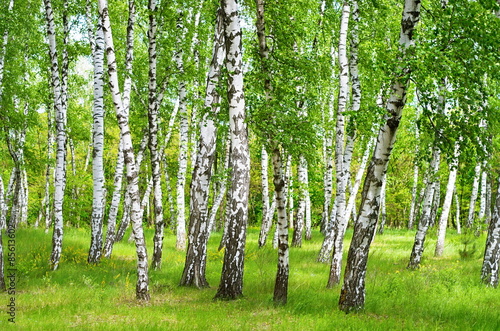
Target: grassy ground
(445, 294)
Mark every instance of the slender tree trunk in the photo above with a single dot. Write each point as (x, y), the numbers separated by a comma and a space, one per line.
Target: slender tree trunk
(352, 296)
(450, 188)
(97, 45)
(489, 271)
(425, 217)
(341, 152)
(473, 197)
(231, 284)
(483, 196)
(60, 119)
(115, 202)
(359, 175)
(457, 216)
(183, 143)
(142, 286)
(153, 107)
(266, 218)
(298, 228)
(308, 220)
(281, 283)
(199, 225)
(383, 213)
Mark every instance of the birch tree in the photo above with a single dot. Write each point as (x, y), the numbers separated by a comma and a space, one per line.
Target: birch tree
(97, 47)
(489, 270)
(153, 106)
(142, 286)
(231, 284)
(183, 140)
(60, 120)
(352, 295)
(445, 212)
(199, 225)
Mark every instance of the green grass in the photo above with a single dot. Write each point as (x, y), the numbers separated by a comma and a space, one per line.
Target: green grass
(445, 294)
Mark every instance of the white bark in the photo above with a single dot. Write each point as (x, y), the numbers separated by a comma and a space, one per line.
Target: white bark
(115, 202)
(425, 217)
(414, 208)
(359, 175)
(301, 210)
(266, 220)
(473, 197)
(142, 286)
(491, 261)
(183, 143)
(342, 154)
(231, 284)
(445, 212)
(457, 215)
(98, 143)
(352, 295)
(60, 119)
(153, 109)
(483, 195)
(199, 224)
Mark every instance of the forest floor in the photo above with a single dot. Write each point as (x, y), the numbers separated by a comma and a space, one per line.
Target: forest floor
(444, 294)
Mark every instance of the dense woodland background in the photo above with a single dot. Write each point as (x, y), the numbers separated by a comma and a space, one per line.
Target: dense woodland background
(293, 98)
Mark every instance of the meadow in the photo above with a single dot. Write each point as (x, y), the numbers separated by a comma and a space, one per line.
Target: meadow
(444, 294)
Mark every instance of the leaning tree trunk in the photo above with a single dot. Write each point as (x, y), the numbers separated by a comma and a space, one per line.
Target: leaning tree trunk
(489, 271)
(115, 202)
(445, 213)
(352, 296)
(142, 286)
(231, 284)
(60, 119)
(199, 225)
(97, 45)
(425, 217)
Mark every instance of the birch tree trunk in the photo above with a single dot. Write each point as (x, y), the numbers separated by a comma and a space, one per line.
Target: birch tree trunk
(483, 196)
(352, 296)
(183, 142)
(457, 216)
(473, 197)
(450, 188)
(266, 218)
(298, 228)
(142, 286)
(60, 119)
(115, 202)
(489, 271)
(341, 152)
(153, 107)
(199, 229)
(97, 45)
(383, 213)
(281, 283)
(231, 284)
(425, 217)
